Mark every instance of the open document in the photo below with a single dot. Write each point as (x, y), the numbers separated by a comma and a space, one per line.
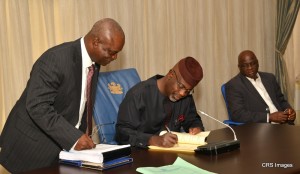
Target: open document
(186, 142)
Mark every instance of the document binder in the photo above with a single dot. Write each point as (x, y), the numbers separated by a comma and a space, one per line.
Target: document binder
(100, 154)
(99, 166)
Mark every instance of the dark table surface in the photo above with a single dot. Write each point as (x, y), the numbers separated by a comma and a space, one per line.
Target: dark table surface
(264, 148)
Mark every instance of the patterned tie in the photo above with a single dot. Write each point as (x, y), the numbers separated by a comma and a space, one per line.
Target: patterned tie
(89, 99)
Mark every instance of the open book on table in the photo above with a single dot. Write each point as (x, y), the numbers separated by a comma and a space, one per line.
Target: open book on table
(186, 141)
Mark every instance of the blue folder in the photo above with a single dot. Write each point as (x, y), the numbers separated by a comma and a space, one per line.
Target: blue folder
(104, 166)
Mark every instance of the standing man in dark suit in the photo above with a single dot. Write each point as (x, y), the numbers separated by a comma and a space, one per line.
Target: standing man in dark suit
(254, 96)
(50, 114)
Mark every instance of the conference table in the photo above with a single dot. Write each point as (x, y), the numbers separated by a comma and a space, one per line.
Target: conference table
(264, 148)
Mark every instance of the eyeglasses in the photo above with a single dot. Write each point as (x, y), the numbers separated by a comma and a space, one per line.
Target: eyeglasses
(181, 86)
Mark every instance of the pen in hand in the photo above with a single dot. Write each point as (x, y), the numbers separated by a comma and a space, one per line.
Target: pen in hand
(175, 139)
(168, 130)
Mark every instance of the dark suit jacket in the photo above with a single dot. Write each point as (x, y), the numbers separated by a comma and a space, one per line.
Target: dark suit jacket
(244, 102)
(42, 121)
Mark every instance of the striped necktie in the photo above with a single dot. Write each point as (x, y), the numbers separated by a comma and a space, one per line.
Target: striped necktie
(89, 106)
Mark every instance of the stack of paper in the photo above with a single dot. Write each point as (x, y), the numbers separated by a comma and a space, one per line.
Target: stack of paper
(102, 157)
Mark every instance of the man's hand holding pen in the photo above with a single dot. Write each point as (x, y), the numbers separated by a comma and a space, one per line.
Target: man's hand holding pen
(84, 142)
(166, 140)
(169, 138)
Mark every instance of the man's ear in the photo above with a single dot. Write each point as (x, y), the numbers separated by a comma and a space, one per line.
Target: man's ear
(170, 75)
(96, 41)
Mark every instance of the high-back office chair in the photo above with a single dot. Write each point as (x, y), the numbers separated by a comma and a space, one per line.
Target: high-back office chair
(229, 121)
(111, 89)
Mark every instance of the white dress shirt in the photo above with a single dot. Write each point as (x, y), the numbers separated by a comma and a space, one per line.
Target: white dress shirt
(258, 85)
(86, 62)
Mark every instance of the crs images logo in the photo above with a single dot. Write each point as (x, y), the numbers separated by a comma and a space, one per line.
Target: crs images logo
(267, 165)
(277, 165)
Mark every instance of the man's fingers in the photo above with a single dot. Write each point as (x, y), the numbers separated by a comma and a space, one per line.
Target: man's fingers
(169, 140)
(84, 142)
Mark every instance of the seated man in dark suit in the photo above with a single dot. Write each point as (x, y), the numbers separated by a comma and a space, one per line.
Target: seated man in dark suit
(159, 103)
(256, 96)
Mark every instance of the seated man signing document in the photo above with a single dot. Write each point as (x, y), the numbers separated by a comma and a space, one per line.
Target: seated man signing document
(161, 103)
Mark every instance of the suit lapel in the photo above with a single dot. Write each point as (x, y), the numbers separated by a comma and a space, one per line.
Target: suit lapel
(267, 85)
(269, 88)
(251, 88)
(78, 66)
(77, 60)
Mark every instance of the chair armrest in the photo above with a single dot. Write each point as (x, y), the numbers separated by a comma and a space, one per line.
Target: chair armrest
(229, 122)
